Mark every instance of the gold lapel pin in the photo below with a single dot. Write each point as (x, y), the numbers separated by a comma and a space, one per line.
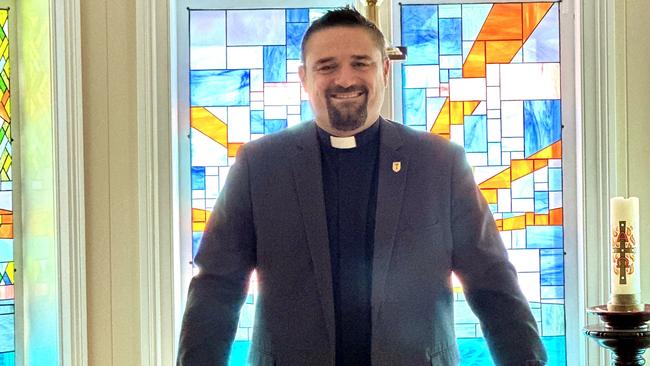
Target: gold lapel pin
(397, 166)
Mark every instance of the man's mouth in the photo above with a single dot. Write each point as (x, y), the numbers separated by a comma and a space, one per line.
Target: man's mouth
(347, 95)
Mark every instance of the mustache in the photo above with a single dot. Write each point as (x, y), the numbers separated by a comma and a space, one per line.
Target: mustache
(351, 88)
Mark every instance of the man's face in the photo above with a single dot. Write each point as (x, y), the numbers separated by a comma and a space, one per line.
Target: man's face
(345, 76)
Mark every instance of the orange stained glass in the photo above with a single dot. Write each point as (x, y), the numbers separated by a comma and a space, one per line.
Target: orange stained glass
(530, 218)
(470, 107)
(541, 219)
(5, 97)
(521, 168)
(501, 52)
(6, 231)
(556, 216)
(533, 13)
(441, 125)
(503, 23)
(233, 147)
(456, 113)
(540, 163)
(4, 114)
(514, 223)
(550, 152)
(501, 180)
(210, 125)
(490, 195)
(474, 66)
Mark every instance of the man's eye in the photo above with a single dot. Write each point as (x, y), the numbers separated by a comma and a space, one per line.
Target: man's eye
(325, 68)
(360, 65)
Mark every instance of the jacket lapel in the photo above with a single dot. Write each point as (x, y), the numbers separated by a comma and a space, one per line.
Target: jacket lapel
(392, 170)
(307, 173)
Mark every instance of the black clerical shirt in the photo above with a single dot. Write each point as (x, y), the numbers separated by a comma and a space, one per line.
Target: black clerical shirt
(350, 190)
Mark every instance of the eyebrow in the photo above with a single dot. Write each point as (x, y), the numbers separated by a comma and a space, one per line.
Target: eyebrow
(325, 60)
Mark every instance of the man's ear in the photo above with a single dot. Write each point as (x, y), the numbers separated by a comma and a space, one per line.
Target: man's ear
(301, 74)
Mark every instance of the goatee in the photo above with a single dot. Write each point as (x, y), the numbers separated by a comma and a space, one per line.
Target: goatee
(347, 116)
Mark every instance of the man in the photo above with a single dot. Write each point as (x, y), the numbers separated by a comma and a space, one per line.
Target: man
(354, 225)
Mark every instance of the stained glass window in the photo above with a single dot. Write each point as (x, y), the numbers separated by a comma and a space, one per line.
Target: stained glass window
(243, 84)
(7, 298)
(487, 76)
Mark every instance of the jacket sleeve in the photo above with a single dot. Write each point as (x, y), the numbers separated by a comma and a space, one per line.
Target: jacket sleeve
(489, 280)
(225, 258)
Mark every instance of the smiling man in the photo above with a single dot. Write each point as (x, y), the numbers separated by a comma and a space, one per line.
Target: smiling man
(354, 224)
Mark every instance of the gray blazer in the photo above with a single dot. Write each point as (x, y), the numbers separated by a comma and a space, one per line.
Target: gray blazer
(431, 219)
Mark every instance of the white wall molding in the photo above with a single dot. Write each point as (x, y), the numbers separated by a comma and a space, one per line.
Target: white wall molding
(599, 158)
(69, 180)
(155, 168)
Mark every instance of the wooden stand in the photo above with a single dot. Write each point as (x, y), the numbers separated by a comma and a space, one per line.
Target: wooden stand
(625, 333)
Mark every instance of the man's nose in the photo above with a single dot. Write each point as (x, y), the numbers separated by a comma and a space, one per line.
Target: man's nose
(346, 76)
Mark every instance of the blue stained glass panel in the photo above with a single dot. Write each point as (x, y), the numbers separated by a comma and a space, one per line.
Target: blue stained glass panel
(219, 88)
(552, 316)
(473, 352)
(306, 113)
(474, 16)
(274, 125)
(414, 107)
(196, 240)
(295, 32)
(420, 33)
(7, 332)
(555, 179)
(298, 15)
(552, 269)
(6, 250)
(552, 292)
(542, 124)
(450, 11)
(257, 121)
(261, 27)
(455, 73)
(275, 64)
(476, 133)
(555, 349)
(541, 202)
(544, 236)
(444, 75)
(450, 36)
(198, 177)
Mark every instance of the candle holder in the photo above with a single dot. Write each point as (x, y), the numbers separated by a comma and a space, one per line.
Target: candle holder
(626, 334)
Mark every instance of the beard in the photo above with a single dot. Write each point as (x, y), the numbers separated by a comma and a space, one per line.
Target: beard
(347, 116)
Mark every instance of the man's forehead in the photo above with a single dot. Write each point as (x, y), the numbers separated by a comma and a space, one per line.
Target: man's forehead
(328, 43)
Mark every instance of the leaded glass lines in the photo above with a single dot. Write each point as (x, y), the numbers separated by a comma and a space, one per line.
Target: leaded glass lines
(487, 76)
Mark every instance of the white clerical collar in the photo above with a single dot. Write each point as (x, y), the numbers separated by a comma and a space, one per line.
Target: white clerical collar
(349, 142)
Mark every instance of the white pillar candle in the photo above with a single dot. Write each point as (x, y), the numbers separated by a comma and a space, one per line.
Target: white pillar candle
(624, 246)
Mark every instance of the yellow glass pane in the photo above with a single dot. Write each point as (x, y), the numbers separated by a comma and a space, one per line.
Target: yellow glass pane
(490, 195)
(521, 168)
(470, 107)
(514, 223)
(210, 125)
(441, 125)
(501, 180)
(456, 113)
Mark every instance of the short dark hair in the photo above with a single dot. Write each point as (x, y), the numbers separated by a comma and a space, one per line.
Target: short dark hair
(344, 17)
